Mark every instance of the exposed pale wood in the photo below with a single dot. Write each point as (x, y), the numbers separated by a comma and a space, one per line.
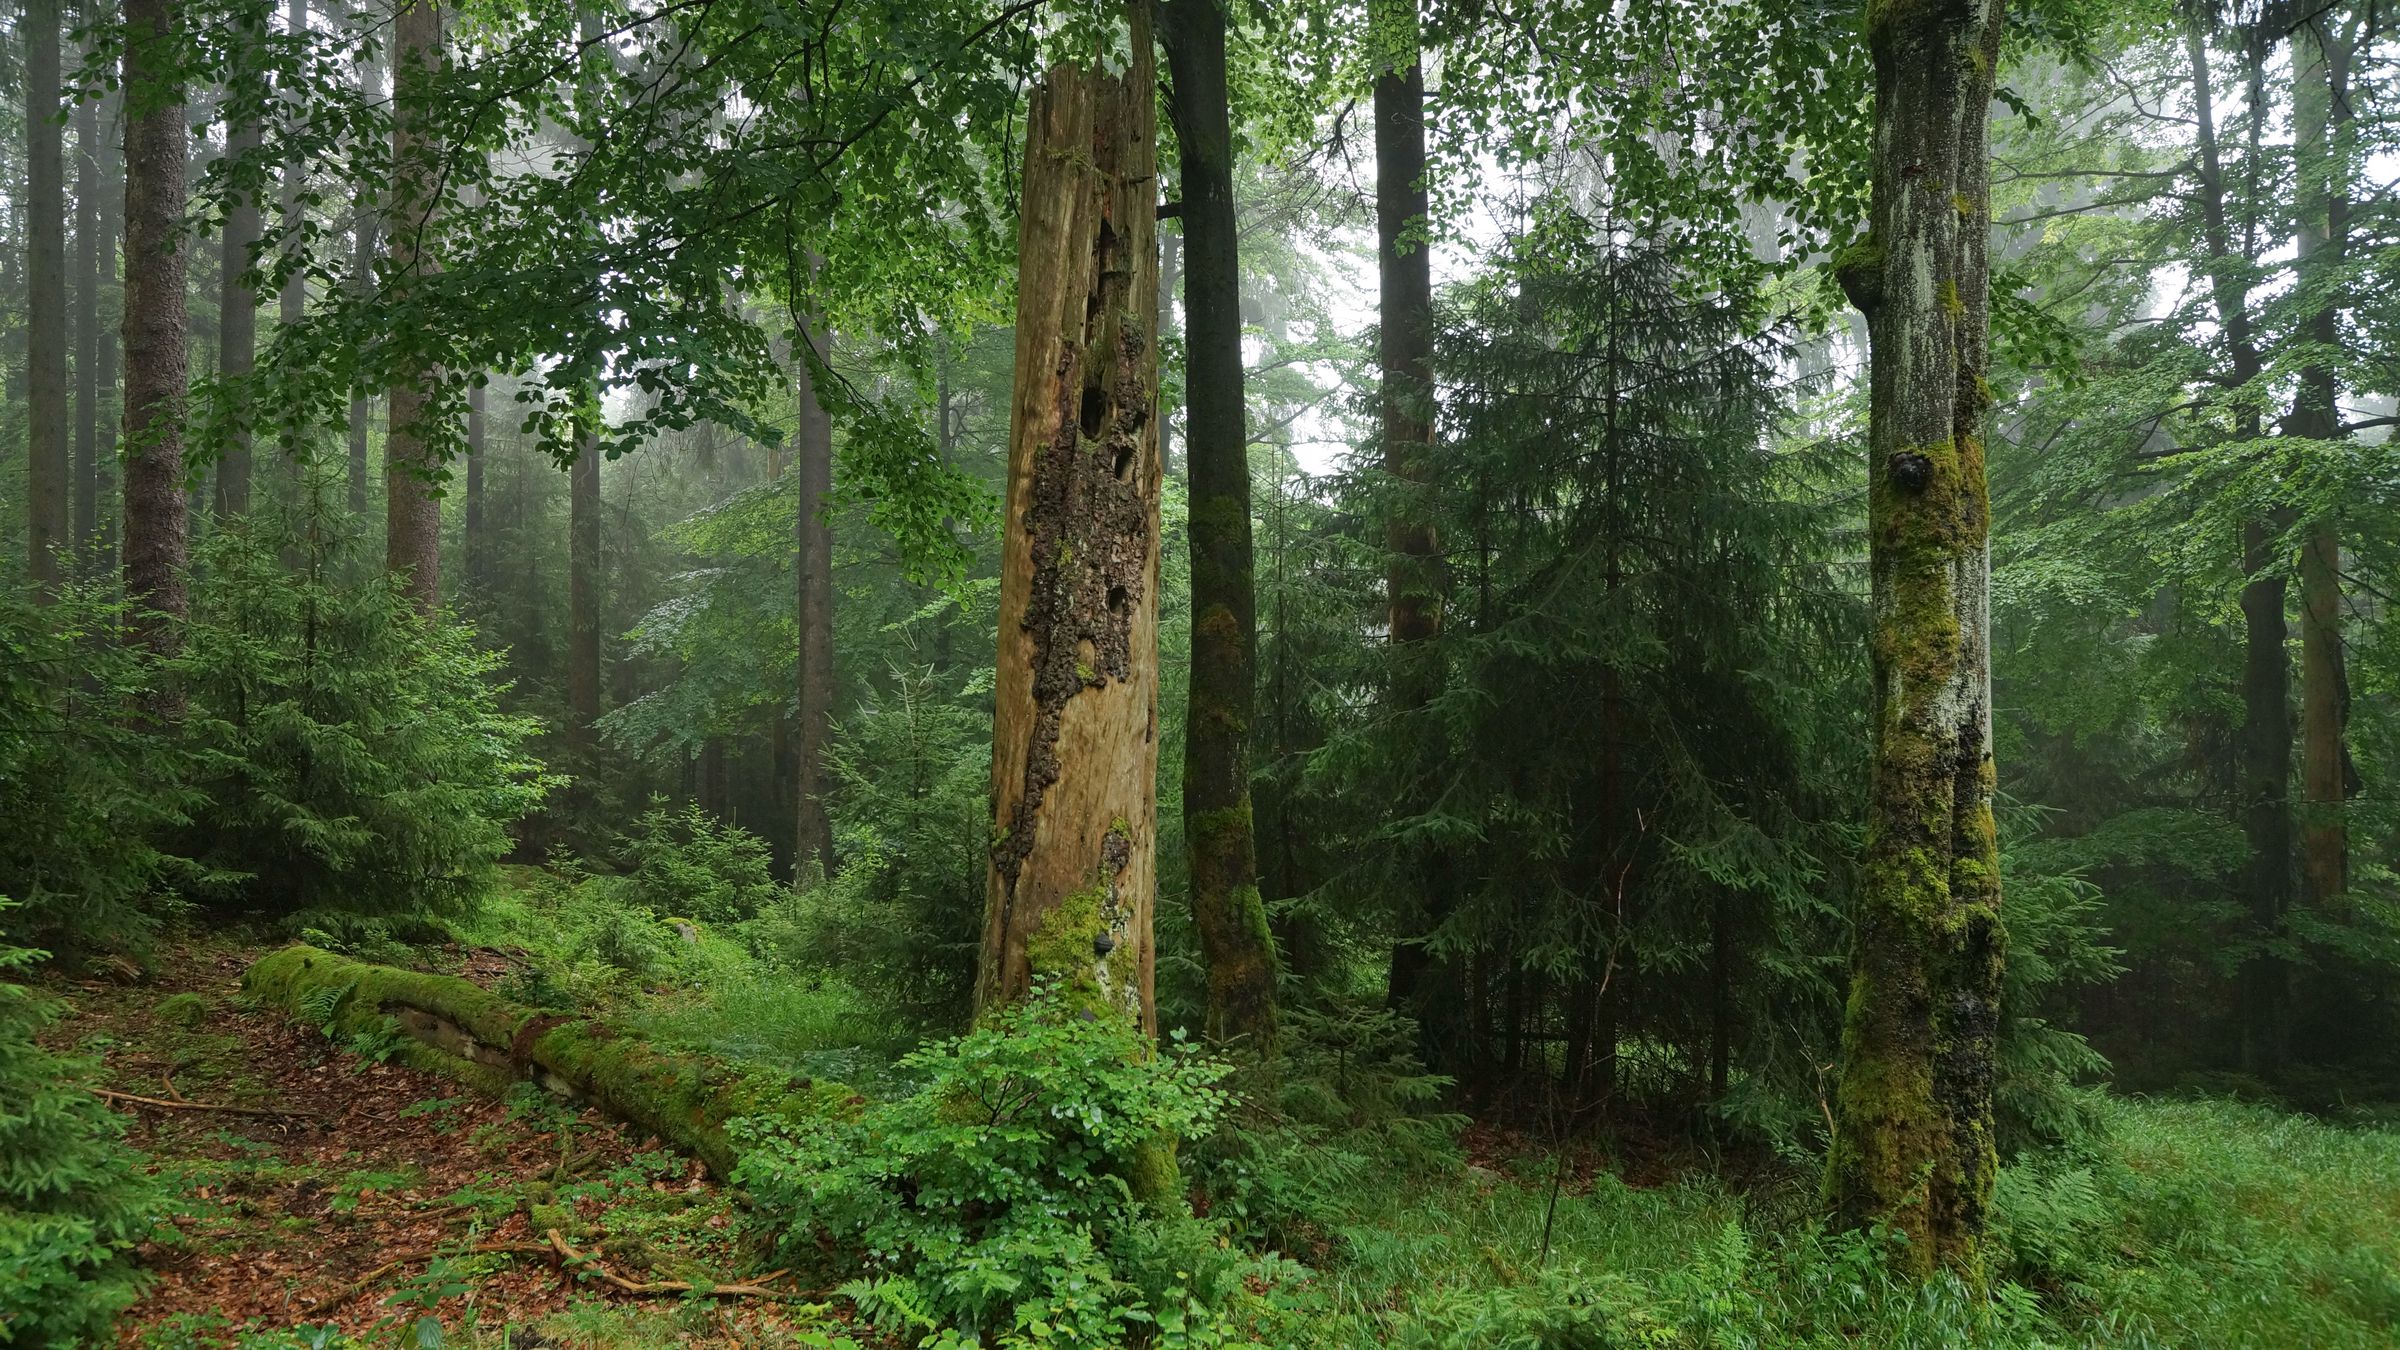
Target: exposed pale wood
(1075, 751)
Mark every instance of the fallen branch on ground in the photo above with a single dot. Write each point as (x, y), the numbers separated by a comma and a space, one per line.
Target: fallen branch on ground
(588, 1261)
(161, 1103)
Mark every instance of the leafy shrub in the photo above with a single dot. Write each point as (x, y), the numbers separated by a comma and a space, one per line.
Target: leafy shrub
(84, 793)
(351, 757)
(688, 864)
(73, 1199)
(1004, 1202)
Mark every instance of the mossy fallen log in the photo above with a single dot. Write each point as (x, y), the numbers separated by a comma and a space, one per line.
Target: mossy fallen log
(464, 1031)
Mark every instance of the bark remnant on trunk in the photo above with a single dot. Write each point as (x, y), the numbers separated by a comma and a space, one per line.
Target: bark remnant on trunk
(1913, 1146)
(1071, 879)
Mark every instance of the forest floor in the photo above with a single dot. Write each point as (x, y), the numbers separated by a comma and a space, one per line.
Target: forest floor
(349, 1201)
(319, 1191)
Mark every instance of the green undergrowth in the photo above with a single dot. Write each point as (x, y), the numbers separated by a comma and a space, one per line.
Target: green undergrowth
(2178, 1223)
(1346, 1215)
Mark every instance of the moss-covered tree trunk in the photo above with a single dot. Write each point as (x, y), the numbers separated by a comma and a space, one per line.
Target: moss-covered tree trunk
(412, 510)
(157, 529)
(466, 1032)
(1226, 908)
(47, 523)
(1071, 879)
(1913, 1144)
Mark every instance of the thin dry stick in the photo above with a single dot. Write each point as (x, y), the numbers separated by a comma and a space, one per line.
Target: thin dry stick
(161, 1103)
(589, 1262)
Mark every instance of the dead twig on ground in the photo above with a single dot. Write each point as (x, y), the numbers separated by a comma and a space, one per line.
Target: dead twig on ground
(162, 1104)
(591, 1262)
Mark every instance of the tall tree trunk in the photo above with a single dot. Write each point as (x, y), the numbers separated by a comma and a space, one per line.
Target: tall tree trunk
(1170, 275)
(237, 312)
(1226, 908)
(1404, 341)
(47, 535)
(291, 301)
(2320, 99)
(812, 567)
(156, 538)
(477, 527)
(85, 521)
(1423, 984)
(1913, 1145)
(583, 590)
(2266, 710)
(1072, 876)
(366, 241)
(412, 511)
(111, 210)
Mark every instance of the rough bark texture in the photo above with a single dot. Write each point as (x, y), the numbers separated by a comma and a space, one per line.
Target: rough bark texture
(2320, 100)
(412, 510)
(85, 517)
(1429, 987)
(462, 1030)
(237, 326)
(1913, 1142)
(156, 529)
(1071, 881)
(583, 590)
(1226, 909)
(111, 211)
(812, 566)
(47, 536)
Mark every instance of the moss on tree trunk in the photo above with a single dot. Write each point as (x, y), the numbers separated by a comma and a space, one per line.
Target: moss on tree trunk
(1913, 1147)
(1219, 835)
(1073, 854)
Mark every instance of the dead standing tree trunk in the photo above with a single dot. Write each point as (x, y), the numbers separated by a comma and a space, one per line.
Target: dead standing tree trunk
(1071, 881)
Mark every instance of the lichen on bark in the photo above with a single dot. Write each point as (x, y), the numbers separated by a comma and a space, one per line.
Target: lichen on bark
(1913, 1147)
